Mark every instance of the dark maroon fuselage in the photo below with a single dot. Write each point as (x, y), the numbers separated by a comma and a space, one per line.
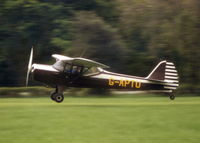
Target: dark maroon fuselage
(98, 80)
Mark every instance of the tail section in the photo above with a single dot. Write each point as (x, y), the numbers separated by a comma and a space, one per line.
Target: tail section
(166, 72)
(158, 73)
(171, 76)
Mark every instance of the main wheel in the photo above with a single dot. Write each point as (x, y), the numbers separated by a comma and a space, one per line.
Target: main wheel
(53, 95)
(58, 97)
(172, 97)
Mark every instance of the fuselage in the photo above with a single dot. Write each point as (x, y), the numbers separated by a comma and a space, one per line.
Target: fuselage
(50, 76)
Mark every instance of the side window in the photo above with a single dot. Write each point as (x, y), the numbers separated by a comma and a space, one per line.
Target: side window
(91, 71)
(67, 68)
(77, 69)
(73, 69)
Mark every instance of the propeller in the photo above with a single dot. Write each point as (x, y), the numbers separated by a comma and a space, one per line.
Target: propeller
(29, 66)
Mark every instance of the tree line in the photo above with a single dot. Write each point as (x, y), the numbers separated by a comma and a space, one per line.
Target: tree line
(131, 36)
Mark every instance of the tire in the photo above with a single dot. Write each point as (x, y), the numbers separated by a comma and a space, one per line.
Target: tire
(58, 97)
(172, 97)
(53, 95)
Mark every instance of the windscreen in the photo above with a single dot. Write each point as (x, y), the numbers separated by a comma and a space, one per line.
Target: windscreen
(59, 65)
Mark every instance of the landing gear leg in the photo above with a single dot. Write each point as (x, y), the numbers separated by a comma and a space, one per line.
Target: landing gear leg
(171, 96)
(57, 95)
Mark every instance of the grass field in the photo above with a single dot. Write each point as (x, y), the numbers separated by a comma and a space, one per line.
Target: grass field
(100, 120)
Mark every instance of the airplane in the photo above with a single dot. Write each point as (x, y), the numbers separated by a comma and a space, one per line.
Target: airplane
(86, 73)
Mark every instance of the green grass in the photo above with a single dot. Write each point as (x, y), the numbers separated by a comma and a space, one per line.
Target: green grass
(100, 120)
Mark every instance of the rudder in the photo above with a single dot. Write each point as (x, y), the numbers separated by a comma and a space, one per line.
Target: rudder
(171, 76)
(166, 72)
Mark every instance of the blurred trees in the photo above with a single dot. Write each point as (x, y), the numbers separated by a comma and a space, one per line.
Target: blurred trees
(131, 36)
(164, 30)
(26, 23)
(95, 39)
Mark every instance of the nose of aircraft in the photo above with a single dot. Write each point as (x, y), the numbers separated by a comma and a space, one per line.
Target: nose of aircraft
(33, 67)
(47, 68)
(45, 73)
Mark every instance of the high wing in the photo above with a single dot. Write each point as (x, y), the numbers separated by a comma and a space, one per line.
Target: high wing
(79, 61)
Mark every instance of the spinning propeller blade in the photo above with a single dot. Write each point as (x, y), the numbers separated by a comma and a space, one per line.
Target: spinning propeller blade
(29, 66)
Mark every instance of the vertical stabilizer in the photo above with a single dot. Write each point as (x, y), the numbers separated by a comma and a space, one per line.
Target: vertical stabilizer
(165, 71)
(158, 73)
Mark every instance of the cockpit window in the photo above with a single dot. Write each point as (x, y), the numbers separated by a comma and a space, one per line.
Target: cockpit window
(73, 69)
(67, 68)
(59, 65)
(90, 71)
(76, 69)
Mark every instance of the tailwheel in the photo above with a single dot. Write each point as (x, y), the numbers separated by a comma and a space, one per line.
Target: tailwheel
(171, 96)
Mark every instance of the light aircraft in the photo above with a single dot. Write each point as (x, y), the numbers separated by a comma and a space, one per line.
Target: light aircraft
(85, 73)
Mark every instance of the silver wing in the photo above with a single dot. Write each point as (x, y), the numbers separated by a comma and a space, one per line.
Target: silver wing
(78, 61)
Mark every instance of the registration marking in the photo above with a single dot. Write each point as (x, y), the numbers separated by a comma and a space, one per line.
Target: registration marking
(124, 83)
